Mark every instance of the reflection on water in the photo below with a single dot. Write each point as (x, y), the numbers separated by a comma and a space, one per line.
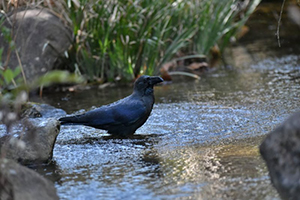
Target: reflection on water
(201, 141)
(232, 171)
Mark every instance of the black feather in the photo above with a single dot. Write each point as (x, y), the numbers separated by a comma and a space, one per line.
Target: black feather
(122, 117)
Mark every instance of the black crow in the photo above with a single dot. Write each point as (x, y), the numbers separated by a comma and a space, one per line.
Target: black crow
(123, 117)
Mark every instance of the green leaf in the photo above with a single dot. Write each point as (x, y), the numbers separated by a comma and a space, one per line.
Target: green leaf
(16, 72)
(8, 75)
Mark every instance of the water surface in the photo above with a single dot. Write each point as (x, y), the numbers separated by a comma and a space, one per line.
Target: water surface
(201, 141)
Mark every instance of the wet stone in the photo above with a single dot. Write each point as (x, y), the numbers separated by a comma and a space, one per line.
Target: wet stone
(35, 144)
(19, 182)
(280, 150)
(35, 110)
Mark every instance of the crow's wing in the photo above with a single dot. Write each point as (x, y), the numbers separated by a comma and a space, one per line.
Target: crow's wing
(124, 112)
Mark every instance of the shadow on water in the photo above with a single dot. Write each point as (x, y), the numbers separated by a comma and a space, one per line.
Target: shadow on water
(200, 142)
(50, 170)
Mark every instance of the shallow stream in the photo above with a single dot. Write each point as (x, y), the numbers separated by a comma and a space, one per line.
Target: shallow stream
(201, 141)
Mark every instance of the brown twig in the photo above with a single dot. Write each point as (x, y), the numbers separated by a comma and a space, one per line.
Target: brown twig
(278, 25)
(22, 69)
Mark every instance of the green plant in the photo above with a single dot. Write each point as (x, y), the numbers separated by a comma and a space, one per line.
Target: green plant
(127, 38)
(9, 78)
(122, 39)
(219, 21)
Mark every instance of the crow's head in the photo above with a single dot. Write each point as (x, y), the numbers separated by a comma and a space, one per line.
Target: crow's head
(144, 84)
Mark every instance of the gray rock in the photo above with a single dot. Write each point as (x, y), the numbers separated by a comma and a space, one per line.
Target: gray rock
(20, 183)
(36, 110)
(35, 144)
(281, 151)
(41, 40)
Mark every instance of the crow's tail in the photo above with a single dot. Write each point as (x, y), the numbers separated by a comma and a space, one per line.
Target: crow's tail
(71, 120)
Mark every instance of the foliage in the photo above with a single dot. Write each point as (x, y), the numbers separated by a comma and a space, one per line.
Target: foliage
(7, 76)
(126, 38)
(122, 39)
(11, 83)
(10, 92)
(218, 21)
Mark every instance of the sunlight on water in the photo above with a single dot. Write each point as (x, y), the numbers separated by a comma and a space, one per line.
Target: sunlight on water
(201, 141)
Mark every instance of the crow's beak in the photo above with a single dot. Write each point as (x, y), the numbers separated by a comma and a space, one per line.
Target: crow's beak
(156, 79)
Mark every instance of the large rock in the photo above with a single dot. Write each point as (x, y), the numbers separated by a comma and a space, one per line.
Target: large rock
(20, 183)
(41, 40)
(36, 110)
(34, 145)
(281, 151)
